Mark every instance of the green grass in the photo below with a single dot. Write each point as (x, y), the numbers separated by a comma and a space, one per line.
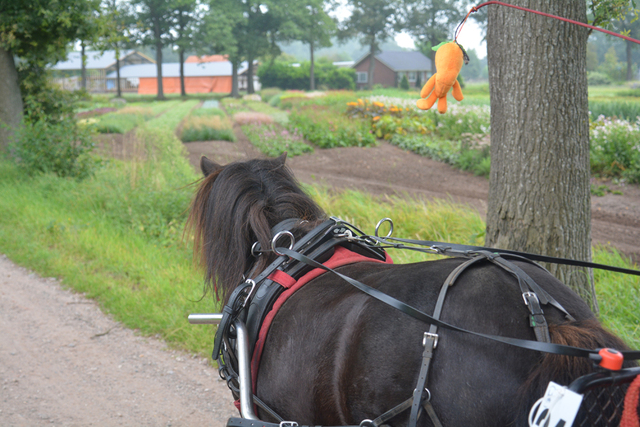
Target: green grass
(117, 236)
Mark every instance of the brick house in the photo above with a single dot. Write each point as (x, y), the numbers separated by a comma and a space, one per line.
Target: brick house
(391, 66)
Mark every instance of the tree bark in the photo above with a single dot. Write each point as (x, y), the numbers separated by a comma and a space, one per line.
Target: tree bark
(159, 69)
(539, 195)
(83, 67)
(183, 92)
(312, 80)
(11, 108)
(235, 93)
(372, 64)
(118, 74)
(250, 88)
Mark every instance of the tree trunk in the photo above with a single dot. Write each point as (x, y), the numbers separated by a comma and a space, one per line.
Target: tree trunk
(629, 45)
(372, 64)
(159, 69)
(83, 67)
(119, 89)
(539, 195)
(235, 93)
(11, 108)
(183, 92)
(250, 88)
(312, 79)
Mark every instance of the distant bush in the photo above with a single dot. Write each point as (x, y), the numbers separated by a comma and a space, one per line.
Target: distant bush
(404, 83)
(620, 109)
(286, 76)
(207, 128)
(598, 79)
(61, 148)
(273, 140)
(325, 129)
(269, 92)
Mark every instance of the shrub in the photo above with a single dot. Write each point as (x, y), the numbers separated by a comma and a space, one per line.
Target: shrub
(269, 92)
(598, 79)
(404, 83)
(61, 148)
(623, 110)
(273, 140)
(327, 129)
(615, 148)
(246, 118)
(207, 128)
(286, 76)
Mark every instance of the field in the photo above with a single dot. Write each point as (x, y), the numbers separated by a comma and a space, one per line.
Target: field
(117, 235)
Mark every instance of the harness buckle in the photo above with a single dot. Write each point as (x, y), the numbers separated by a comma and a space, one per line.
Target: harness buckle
(426, 337)
(526, 296)
(251, 291)
(288, 424)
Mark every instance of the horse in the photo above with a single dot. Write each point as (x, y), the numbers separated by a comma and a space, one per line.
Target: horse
(336, 356)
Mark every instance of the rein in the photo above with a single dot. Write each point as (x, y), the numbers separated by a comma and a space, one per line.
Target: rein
(253, 299)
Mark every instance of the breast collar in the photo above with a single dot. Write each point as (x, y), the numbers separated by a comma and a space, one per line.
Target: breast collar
(253, 299)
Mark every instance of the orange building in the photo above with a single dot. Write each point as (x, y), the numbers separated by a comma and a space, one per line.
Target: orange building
(199, 77)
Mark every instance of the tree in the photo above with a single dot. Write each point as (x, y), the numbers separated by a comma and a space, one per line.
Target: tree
(221, 30)
(155, 19)
(539, 198)
(185, 25)
(315, 28)
(630, 26)
(431, 22)
(372, 21)
(38, 33)
(116, 32)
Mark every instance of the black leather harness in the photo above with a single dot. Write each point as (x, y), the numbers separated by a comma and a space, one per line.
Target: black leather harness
(253, 299)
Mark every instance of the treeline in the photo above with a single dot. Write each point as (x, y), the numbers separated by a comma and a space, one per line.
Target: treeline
(296, 76)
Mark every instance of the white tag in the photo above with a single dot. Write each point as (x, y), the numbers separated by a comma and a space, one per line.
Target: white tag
(558, 407)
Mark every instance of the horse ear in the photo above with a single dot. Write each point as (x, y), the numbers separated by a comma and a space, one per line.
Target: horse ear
(208, 166)
(280, 160)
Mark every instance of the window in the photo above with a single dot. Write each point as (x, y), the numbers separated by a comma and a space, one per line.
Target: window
(362, 77)
(411, 76)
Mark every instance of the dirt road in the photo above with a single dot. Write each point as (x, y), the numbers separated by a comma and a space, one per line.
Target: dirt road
(65, 363)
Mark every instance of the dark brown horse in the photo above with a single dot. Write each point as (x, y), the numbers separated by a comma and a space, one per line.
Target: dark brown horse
(336, 356)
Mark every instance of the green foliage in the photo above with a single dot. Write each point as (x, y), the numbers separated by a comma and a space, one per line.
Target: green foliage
(269, 92)
(285, 76)
(616, 70)
(595, 78)
(404, 83)
(322, 127)
(627, 110)
(211, 127)
(615, 149)
(61, 148)
(273, 140)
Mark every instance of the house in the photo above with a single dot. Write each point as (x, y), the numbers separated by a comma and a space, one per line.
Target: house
(199, 77)
(391, 66)
(98, 65)
(207, 58)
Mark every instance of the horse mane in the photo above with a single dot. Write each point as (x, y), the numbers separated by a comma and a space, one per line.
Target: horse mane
(237, 205)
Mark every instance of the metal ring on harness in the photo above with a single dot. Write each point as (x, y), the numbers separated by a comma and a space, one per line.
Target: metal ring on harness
(253, 250)
(382, 221)
(277, 236)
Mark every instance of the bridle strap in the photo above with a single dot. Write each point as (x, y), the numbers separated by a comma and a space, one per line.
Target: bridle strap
(424, 317)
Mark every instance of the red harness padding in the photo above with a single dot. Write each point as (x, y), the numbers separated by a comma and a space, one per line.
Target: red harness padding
(340, 257)
(630, 413)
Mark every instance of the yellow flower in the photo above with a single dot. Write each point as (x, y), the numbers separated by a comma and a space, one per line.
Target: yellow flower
(378, 104)
(376, 118)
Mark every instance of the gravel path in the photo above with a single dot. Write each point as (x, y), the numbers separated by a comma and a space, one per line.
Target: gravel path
(63, 362)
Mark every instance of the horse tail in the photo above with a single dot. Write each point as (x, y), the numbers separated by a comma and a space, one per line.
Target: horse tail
(589, 334)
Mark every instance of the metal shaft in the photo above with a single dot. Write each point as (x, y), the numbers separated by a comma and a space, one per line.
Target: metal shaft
(244, 372)
(205, 319)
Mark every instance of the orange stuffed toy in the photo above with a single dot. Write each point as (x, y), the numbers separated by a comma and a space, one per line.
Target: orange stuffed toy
(449, 59)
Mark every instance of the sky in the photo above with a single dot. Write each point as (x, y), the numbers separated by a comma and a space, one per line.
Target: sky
(470, 36)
